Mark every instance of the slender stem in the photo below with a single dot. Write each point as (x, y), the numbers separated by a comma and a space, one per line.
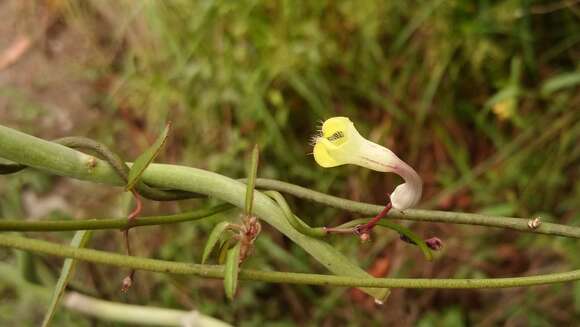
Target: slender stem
(211, 271)
(138, 207)
(252, 173)
(434, 216)
(136, 314)
(113, 223)
(131, 219)
(368, 226)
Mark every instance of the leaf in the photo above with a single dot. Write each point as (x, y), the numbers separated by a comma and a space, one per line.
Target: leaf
(145, 159)
(79, 240)
(224, 247)
(251, 181)
(410, 235)
(231, 271)
(414, 238)
(213, 238)
(296, 222)
(559, 82)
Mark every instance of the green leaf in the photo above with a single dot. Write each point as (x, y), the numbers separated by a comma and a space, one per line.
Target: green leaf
(251, 181)
(410, 235)
(145, 159)
(399, 229)
(79, 240)
(213, 239)
(559, 82)
(224, 247)
(231, 271)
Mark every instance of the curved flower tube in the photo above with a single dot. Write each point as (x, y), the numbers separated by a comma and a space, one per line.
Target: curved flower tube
(339, 143)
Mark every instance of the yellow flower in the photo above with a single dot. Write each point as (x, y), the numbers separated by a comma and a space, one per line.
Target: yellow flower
(504, 109)
(339, 143)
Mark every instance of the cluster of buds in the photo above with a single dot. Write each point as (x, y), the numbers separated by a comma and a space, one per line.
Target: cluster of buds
(247, 233)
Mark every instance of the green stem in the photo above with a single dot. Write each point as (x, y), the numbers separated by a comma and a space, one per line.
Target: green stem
(252, 173)
(136, 314)
(435, 216)
(113, 223)
(210, 271)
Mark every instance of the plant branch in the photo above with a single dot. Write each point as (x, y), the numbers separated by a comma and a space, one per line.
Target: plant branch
(211, 271)
(137, 314)
(434, 216)
(111, 223)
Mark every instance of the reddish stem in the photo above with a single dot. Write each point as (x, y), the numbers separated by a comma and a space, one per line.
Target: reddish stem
(127, 243)
(366, 228)
(138, 206)
(128, 280)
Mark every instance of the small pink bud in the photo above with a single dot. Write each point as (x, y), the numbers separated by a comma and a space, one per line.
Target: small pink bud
(365, 237)
(434, 243)
(127, 283)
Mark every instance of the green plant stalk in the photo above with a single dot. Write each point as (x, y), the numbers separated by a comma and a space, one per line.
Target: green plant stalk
(252, 173)
(64, 161)
(11, 225)
(136, 314)
(211, 271)
(434, 216)
(519, 224)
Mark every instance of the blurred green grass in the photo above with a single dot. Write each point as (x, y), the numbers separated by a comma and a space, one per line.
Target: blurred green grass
(482, 97)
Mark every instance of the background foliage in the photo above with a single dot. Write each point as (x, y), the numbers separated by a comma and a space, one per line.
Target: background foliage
(481, 97)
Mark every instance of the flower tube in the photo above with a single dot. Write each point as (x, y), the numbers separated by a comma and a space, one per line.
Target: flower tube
(339, 143)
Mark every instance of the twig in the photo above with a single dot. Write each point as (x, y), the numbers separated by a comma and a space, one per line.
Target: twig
(136, 314)
(211, 271)
(12, 225)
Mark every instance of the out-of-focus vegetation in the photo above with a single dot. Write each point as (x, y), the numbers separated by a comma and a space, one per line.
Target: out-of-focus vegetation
(481, 97)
